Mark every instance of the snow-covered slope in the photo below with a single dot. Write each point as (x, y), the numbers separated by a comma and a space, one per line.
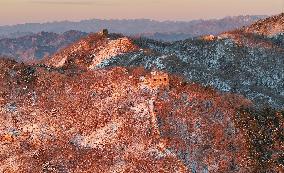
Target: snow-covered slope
(256, 72)
(91, 50)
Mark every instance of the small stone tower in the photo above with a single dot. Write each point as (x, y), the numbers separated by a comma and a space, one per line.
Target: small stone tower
(157, 80)
(104, 32)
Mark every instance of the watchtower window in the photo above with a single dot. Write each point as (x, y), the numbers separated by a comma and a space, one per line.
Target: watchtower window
(155, 79)
(160, 79)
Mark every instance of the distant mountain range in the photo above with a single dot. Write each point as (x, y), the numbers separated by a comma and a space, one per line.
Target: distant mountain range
(32, 47)
(166, 30)
(29, 42)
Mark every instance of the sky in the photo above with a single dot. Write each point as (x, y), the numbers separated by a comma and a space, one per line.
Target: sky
(27, 11)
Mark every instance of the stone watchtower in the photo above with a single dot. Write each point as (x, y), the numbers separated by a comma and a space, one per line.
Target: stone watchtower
(104, 32)
(157, 80)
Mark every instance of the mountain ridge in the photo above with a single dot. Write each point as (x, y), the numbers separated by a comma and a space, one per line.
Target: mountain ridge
(260, 33)
(199, 60)
(111, 103)
(89, 51)
(268, 26)
(253, 69)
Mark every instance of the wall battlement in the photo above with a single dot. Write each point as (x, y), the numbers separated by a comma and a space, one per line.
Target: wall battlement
(157, 80)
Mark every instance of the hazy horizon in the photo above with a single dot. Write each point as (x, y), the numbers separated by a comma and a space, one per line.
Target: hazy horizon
(79, 20)
(41, 11)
